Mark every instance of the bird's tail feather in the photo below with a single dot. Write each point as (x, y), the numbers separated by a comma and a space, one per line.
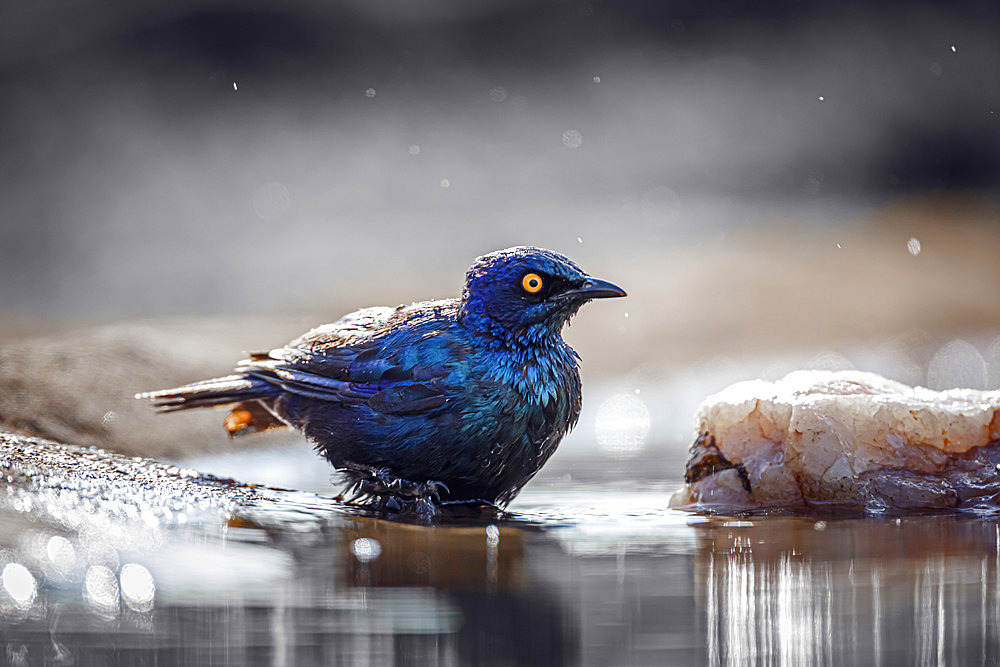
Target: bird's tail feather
(209, 393)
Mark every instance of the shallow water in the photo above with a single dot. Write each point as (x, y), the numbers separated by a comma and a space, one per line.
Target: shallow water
(580, 572)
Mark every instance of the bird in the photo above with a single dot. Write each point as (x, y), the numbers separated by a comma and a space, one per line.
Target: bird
(457, 401)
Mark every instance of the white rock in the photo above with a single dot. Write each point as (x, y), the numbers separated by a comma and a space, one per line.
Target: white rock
(846, 436)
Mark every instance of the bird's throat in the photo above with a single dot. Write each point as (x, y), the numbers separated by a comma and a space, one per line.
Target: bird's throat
(536, 373)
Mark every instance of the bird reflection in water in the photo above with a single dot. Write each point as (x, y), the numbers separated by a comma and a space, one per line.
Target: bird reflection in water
(375, 589)
(796, 591)
(445, 558)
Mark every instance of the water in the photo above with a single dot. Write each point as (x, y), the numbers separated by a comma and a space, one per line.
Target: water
(582, 571)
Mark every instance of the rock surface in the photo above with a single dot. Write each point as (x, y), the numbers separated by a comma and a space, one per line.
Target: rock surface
(845, 437)
(80, 386)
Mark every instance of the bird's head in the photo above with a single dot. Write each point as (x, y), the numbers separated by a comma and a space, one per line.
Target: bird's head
(526, 295)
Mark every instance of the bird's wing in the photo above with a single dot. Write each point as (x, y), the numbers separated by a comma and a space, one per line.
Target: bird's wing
(394, 361)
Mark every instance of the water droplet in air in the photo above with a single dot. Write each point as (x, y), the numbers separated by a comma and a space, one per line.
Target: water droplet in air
(498, 93)
(445, 183)
(234, 85)
(271, 201)
(579, 239)
(597, 79)
(370, 93)
(913, 245)
(572, 139)
(821, 98)
(953, 49)
(366, 549)
(414, 150)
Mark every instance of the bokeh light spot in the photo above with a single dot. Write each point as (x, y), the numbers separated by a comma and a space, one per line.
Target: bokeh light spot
(957, 364)
(19, 584)
(366, 549)
(138, 588)
(622, 425)
(61, 553)
(100, 588)
(271, 201)
(572, 139)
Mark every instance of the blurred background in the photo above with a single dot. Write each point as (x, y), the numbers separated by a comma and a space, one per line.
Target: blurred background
(777, 185)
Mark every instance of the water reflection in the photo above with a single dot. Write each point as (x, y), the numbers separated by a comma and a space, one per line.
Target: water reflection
(137, 587)
(18, 584)
(581, 573)
(923, 591)
(353, 589)
(61, 554)
(429, 594)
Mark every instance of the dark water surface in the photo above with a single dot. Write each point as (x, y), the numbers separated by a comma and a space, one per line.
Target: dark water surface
(579, 573)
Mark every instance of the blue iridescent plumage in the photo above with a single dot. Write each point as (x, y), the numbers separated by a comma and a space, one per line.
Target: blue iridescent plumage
(463, 399)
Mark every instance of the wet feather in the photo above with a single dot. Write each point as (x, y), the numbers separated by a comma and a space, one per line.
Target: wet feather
(458, 400)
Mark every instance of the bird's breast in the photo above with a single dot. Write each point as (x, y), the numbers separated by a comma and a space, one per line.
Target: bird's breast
(534, 377)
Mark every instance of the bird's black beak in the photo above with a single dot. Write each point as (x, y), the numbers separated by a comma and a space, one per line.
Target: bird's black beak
(595, 289)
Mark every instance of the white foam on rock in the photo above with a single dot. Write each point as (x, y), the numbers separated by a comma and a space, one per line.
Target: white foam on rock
(824, 435)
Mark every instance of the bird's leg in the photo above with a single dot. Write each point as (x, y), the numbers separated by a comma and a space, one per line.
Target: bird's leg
(429, 489)
(388, 490)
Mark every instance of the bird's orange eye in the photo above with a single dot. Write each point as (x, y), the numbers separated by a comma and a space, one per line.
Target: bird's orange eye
(531, 282)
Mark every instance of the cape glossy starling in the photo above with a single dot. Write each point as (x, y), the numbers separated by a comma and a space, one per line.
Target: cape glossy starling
(456, 400)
